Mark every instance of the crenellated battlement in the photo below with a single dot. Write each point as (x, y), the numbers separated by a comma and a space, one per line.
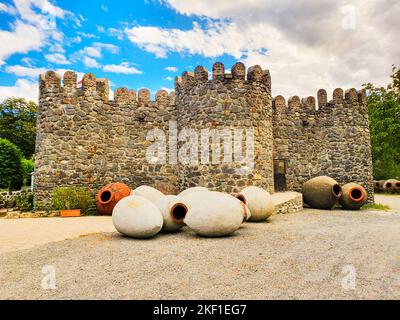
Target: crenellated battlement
(238, 74)
(318, 104)
(52, 84)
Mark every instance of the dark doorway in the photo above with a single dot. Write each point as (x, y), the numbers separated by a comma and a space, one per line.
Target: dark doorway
(279, 175)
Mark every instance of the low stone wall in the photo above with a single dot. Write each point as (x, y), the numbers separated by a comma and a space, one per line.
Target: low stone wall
(287, 202)
(7, 198)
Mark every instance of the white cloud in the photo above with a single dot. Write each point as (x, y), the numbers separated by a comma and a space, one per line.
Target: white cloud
(57, 47)
(22, 88)
(22, 38)
(87, 54)
(305, 44)
(27, 61)
(214, 41)
(168, 78)
(25, 71)
(86, 35)
(34, 25)
(90, 62)
(100, 29)
(117, 33)
(47, 10)
(94, 52)
(171, 69)
(32, 72)
(76, 39)
(7, 8)
(123, 68)
(57, 58)
(107, 46)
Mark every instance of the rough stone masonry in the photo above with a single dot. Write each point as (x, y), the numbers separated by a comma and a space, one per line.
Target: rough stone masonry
(85, 139)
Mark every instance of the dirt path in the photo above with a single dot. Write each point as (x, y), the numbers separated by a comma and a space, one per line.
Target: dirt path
(312, 254)
(17, 234)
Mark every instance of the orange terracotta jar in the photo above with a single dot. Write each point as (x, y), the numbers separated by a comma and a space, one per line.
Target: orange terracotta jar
(109, 195)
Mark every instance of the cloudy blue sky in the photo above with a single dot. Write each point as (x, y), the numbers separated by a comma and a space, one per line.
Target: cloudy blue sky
(306, 44)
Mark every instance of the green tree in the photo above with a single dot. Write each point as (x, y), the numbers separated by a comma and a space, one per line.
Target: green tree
(11, 174)
(384, 116)
(28, 166)
(18, 124)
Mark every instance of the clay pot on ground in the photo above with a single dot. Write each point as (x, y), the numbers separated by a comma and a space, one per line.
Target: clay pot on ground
(353, 196)
(109, 196)
(148, 192)
(173, 211)
(194, 198)
(397, 186)
(213, 214)
(321, 192)
(192, 190)
(378, 185)
(137, 217)
(259, 202)
(390, 186)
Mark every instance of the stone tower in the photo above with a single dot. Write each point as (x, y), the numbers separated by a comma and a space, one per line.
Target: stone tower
(226, 112)
(317, 136)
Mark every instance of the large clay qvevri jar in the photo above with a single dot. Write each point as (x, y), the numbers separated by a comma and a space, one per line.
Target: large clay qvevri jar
(173, 210)
(213, 214)
(353, 196)
(390, 185)
(109, 195)
(148, 192)
(137, 217)
(397, 186)
(321, 192)
(192, 190)
(378, 185)
(259, 202)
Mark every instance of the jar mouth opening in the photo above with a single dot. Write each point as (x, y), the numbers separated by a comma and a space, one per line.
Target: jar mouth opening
(241, 197)
(356, 194)
(336, 190)
(105, 197)
(178, 212)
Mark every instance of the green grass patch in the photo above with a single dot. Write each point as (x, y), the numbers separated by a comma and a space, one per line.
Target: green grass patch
(376, 206)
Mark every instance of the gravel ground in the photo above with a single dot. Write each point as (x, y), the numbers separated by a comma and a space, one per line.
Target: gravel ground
(305, 255)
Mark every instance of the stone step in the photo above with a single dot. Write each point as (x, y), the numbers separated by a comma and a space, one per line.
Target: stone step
(287, 202)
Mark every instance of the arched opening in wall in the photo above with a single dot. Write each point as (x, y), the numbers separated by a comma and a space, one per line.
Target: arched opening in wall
(280, 175)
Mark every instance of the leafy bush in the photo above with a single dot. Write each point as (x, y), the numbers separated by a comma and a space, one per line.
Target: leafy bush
(24, 201)
(384, 117)
(18, 123)
(67, 198)
(28, 166)
(11, 175)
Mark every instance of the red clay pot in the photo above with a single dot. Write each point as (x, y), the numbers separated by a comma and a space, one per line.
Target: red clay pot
(109, 195)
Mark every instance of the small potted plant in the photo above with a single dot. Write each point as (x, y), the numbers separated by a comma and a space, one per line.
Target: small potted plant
(71, 201)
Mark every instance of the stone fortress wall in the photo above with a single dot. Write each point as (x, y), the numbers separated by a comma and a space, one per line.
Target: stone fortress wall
(85, 139)
(316, 136)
